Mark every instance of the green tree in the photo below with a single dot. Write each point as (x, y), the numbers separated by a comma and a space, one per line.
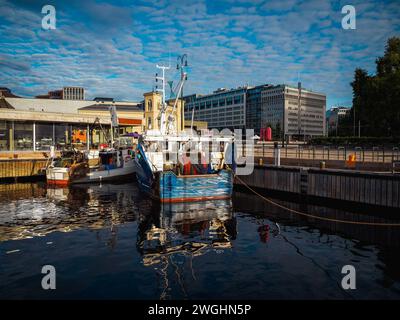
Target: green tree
(376, 98)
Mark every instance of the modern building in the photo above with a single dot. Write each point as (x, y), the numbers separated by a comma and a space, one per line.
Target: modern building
(221, 109)
(262, 106)
(333, 117)
(297, 112)
(36, 124)
(255, 108)
(66, 93)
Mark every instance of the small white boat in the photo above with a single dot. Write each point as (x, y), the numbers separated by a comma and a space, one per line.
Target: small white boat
(69, 166)
(113, 165)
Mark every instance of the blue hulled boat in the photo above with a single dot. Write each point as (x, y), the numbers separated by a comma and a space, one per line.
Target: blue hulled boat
(178, 166)
(171, 186)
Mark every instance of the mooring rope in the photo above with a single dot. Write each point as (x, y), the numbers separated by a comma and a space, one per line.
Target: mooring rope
(380, 224)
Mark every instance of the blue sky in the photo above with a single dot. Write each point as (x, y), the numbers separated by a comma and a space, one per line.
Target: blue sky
(111, 48)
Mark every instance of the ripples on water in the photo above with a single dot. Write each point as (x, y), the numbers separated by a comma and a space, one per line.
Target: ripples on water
(110, 241)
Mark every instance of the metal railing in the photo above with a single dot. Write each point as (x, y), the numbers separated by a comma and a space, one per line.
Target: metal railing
(377, 154)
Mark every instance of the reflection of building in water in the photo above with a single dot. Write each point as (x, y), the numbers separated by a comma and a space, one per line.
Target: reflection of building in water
(31, 210)
(186, 228)
(15, 191)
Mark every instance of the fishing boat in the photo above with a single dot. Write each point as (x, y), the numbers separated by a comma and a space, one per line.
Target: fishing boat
(175, 166)
(112, 163)
(171, 181)
(70, 165)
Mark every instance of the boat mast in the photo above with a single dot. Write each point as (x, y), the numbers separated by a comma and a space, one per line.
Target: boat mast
(163, 104)
(178, 94)
(114, 121)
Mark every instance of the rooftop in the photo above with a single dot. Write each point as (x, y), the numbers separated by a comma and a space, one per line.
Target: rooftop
(105, 107)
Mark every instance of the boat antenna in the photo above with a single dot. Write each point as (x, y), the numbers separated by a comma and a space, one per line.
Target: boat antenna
(114, 120)
(163, 104)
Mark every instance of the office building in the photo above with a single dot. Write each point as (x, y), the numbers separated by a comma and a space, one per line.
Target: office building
(281, 110)
(66, 93)
(221, 109)
(267, 105)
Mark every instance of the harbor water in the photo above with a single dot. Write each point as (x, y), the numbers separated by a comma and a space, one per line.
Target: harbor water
(112, 242)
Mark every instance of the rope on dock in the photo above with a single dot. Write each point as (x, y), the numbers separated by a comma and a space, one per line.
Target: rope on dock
(365, 223)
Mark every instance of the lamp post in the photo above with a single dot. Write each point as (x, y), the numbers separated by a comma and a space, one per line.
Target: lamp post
(180, 65)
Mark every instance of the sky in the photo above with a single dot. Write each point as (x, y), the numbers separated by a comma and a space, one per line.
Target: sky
(111, 47)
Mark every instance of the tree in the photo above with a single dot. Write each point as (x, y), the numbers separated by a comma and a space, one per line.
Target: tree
(376, 98)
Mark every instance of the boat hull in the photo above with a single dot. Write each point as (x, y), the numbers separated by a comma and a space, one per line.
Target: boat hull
(57, 176)
(106, 175)
(170, 188)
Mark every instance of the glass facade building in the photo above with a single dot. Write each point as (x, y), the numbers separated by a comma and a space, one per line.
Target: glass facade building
(263, 106)
(221, 109)
(40, 136)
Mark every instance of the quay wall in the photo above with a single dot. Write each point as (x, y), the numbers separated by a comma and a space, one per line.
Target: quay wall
(18, 168)
(360, 187)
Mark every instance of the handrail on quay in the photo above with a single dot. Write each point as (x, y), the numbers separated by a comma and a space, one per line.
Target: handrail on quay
(375, 154)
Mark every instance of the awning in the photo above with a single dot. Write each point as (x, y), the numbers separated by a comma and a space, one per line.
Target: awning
(133, 122)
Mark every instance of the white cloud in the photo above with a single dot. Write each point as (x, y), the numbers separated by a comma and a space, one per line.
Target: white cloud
(112, 50)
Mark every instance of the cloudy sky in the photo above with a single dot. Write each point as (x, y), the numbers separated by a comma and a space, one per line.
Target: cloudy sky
(111, 47)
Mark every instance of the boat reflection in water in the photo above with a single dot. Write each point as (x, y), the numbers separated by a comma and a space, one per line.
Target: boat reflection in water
(111, 241)
(186, 228)
(31, 210)
(170, 240)
(168, 236)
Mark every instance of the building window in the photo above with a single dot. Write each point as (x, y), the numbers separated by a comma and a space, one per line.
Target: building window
(149, 106)
(44, 136)
(61, 135)
(23, 136)
(237, 99)
(5, 128)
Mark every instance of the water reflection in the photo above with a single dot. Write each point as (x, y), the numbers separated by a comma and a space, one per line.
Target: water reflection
(245, 202)
(141, 249)
(31, 210)
(171, 237)
(190, 229)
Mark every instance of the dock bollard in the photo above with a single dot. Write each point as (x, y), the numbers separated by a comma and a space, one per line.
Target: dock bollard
(322, 165)
(277, 154)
